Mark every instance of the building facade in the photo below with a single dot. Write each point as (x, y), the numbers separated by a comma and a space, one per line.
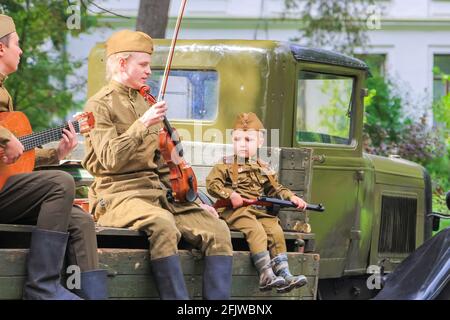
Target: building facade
(408, 38)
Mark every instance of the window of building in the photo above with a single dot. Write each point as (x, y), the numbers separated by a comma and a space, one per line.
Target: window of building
(324, 104)
(441, 68)
(190, 94)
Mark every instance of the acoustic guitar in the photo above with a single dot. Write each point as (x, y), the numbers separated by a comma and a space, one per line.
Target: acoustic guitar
(17, 122)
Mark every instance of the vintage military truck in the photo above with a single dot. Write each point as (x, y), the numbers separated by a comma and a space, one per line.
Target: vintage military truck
(311, 102)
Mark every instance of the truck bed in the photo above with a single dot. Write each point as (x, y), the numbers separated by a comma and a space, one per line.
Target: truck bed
(125, 255)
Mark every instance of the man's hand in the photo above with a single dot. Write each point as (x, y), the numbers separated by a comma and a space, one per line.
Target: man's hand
(236, 200)
(155, 114)
(12, 151)
(210, 210)
(301, 204)
(68, 142)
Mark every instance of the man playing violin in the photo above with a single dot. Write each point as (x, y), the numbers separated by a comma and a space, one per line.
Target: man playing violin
(131, 179)
(45, 198)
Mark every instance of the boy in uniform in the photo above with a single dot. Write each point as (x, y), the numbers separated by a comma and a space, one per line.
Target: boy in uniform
(245, 176)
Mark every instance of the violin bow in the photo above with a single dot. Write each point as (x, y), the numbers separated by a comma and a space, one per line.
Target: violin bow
(162, 89)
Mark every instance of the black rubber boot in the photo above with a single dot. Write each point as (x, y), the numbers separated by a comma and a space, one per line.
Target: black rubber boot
(45, 260)
(267, 279)
(217, 277)
(94, 285)
(281, 268)
(169, 278)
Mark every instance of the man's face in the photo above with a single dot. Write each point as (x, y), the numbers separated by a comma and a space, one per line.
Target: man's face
(10, 54)
(246, 143)
(136, 69)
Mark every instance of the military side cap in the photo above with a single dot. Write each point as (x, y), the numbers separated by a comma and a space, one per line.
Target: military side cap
(7, 25)
(248, 121)
(129, 41)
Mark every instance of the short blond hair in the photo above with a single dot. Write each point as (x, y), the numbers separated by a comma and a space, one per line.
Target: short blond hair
(5, 40)
(112, 63)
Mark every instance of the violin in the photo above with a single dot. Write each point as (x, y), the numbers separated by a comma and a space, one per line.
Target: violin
(182, 176)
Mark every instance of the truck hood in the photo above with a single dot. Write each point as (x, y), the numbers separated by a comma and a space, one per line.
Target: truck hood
(397, 171)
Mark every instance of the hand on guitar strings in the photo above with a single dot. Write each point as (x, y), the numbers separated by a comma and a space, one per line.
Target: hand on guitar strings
(67, 143)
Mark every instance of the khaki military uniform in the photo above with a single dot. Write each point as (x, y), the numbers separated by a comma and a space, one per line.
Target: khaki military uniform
(251, 179)
(32, 205)
(131, 179)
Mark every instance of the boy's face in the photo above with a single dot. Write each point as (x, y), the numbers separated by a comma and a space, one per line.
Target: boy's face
(10, 54)
(136, 69)
(246, 143)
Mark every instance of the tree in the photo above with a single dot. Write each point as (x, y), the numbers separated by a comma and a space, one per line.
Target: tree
(152, 17)
(337, 25)
(39, 87)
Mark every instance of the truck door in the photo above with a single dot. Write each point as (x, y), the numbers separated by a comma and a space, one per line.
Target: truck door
(328, 119)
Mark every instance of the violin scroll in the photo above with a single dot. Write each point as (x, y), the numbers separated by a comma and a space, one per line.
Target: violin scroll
(145, 92)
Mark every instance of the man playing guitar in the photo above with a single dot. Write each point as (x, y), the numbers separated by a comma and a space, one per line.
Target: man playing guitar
(45, 198)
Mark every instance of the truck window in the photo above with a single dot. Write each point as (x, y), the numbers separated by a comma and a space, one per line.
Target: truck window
(323, 108)
(190, 94)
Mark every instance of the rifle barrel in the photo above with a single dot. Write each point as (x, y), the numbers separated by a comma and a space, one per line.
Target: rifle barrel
(266, 201)
(287, 203)
(315, 207)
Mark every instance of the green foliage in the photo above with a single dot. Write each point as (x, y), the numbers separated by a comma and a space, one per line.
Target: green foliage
(39, 86)
(339, 24)
(334, 114)
(387, 131)
(383, 117)
(439, 168)
(441, 108)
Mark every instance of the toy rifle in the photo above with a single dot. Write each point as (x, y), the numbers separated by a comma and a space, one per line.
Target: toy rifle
(273, 205)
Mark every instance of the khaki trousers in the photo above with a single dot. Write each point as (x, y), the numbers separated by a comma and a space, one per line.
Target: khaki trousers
(45, 199)
(261, 229)
(165, 223)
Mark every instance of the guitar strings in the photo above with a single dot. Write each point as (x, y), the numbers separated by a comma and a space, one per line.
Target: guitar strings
(40, 138)
(43, 137)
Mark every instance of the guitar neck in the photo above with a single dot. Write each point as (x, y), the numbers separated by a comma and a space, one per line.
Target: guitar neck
(40, 138)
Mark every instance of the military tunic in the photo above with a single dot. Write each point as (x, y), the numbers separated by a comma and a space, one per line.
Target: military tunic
(261, 229)
(131, 179)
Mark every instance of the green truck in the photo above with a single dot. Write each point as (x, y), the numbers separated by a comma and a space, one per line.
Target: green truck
(311, 102)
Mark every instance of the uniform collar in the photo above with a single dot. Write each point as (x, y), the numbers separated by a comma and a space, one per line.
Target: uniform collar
(2, 79)
(123, 89)
(251, 160)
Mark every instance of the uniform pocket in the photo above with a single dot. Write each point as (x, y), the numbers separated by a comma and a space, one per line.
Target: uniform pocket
(261, 178)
